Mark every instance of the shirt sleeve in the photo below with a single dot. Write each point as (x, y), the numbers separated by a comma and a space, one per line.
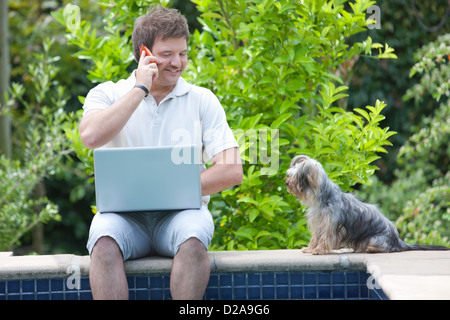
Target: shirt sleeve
(100, 97)
(217, 135)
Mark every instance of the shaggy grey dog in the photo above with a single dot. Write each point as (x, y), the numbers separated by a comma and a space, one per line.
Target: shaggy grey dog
(338, 219)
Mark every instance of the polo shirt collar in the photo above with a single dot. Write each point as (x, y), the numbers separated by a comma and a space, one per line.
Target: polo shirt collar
(181, 88)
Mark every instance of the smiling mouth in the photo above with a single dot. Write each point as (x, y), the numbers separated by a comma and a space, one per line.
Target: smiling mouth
(173, 71)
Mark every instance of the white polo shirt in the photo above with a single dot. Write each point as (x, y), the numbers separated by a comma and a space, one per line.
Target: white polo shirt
(188, 115)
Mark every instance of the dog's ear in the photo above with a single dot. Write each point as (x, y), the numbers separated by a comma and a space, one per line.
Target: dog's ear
(298, 159)
(309, 177)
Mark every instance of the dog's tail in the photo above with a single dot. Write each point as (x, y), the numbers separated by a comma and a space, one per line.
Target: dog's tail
(410, 247)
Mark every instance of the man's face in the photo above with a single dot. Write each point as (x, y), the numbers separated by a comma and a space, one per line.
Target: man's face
(172, 59)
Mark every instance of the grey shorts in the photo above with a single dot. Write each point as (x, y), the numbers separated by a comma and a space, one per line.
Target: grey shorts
(141, 234)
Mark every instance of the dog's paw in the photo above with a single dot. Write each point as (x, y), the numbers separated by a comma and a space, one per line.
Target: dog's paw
(306, 250)
(316, 251)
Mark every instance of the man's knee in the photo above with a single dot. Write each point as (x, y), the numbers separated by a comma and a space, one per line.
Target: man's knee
(194, 248)
(107, 250)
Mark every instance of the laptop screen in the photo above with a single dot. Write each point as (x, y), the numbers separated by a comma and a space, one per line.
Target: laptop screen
(147, 178)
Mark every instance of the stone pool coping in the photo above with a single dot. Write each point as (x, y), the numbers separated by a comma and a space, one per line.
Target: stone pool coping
(405, 275)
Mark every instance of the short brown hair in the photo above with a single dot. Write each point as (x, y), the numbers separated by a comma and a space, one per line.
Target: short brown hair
(159, 22)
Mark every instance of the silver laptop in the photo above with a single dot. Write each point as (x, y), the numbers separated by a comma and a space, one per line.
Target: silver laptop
(147, 179)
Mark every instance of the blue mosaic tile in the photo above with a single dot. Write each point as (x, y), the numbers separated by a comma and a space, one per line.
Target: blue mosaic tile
(86, 295)
(323, 292)
(13, 286)
(56, 296)
(156, 281)
(145, 294)
(212, 293)
(43, 296)
(254, 279)
(225, 280)
(28, 286)
(296, 278)
(254, 293)
(352, 277)
(282, 278)
(56, 285)
(240, 293)
(85, 285)
(142, 282)
(338, 278)
(229, 286)
(282, 292)
(296, 292)
(43, 285)
(338, 292)
(309, 278)
(268, 278)
(268, 292)
(309, 292)
(213, 280)
(225, 294)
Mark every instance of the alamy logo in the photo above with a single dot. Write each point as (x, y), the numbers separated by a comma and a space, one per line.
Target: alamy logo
(72, 16)
(374, 20)
(74, 280)
(371, 282)
(256, 146)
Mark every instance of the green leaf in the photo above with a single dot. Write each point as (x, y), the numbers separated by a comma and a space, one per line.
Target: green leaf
(253, 213)
(363, 113)
(280, 120)
(248, 200)
(247, 232)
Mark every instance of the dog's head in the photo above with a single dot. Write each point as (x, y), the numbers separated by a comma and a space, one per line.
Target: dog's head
(304, 178)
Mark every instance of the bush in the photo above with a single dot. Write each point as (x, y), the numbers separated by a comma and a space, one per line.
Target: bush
(403, 25)
(425, 216)
(418, 199)
(274, 67)
(40, 145)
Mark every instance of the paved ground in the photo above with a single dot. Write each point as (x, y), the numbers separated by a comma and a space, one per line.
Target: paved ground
(412, 275)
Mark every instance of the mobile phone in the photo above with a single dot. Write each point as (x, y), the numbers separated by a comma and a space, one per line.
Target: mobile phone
(147, 51)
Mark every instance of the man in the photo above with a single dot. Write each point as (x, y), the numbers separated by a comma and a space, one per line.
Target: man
(173, 112)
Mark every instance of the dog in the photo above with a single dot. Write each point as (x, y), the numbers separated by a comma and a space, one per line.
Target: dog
(338, 220)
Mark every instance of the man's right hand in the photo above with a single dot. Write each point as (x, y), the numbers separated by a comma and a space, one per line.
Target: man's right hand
(147, 70)
(99, 126)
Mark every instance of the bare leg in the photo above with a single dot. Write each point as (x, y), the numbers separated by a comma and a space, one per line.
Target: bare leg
(107, 274)
(190, 271)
